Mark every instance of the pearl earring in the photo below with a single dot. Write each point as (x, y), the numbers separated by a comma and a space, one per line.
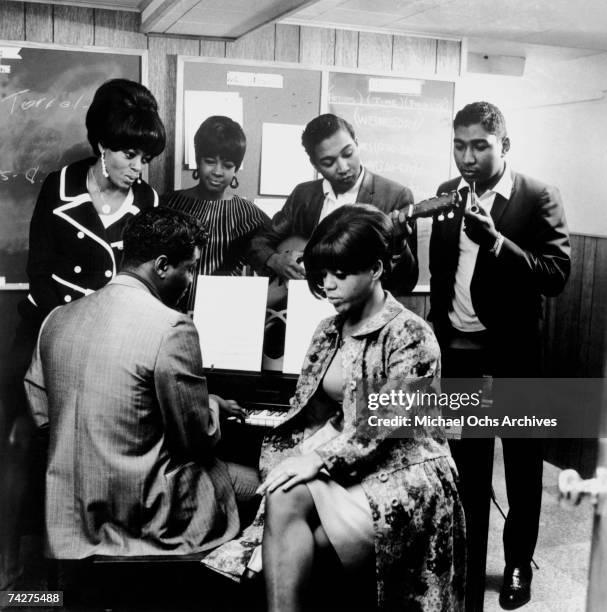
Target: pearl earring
(139, 179)
(104, 171)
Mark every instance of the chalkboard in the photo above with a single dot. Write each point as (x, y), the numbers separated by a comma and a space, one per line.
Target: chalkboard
(45, 92)
(403, 127)
(273, 93)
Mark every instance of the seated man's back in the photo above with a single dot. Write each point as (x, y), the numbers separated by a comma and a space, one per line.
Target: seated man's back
(117, 376)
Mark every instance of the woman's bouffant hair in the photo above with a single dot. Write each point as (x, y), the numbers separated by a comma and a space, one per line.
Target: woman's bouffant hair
(349, 240)
(220, 136)
(124, 115)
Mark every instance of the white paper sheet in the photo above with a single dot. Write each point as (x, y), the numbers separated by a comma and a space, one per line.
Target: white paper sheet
(269, 205)
(304, 313)
(200, 105)
(284, 162)
(229, 314)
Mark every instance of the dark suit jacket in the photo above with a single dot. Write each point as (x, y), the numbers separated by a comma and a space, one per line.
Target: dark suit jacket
(506, 290)
(300, 213)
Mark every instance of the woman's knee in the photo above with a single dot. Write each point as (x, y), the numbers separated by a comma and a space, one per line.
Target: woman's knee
(283, 507)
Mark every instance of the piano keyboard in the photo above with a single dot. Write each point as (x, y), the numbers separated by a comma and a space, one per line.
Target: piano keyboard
(265, 418)
(264, 395)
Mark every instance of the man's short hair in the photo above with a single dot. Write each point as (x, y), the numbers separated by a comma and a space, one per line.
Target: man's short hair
(321, 128)
(485, 113)
(161, 231)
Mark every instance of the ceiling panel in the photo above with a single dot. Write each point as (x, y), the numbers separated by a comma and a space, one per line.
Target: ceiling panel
(550, 22)
(227, 19)
(114, 5)
(355, 18)
(402, 8)
(224, 18)
(203, 14)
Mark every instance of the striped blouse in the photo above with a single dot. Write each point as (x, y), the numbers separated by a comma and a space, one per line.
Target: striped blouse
(230, 225)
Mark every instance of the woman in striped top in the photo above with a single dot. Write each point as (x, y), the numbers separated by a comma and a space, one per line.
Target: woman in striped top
(219, 145)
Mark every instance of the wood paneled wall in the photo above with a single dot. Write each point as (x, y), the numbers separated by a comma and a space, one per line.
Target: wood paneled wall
(575, 321)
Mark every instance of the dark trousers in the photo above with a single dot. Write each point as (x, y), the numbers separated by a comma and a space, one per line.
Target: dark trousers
(523, 464)
(474, 461)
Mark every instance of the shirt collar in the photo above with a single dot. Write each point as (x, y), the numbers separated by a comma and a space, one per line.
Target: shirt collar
(503, 187)
(328, 192)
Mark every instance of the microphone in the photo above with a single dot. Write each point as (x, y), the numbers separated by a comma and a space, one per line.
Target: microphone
(474, 207)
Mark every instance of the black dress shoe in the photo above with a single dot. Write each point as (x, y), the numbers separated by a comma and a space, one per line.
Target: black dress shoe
(516, 588)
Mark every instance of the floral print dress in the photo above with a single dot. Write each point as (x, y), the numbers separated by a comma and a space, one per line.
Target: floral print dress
(410, 483)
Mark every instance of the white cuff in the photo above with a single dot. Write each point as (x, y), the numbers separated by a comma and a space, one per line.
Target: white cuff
(497, 245)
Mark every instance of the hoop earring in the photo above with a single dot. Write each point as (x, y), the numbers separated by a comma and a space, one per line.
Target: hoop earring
(234, 182)
(195, 174)
(104, 171)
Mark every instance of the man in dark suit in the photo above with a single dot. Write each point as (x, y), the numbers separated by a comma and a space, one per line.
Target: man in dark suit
(332, 147)
(490, 265)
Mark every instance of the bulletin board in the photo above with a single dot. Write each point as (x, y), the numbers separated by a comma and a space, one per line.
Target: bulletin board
(273, 98)
(45, 91)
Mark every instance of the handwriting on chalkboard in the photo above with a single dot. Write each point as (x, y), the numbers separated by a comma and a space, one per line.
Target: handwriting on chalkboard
(392, 121)
(396, 101)
(390, 167)
(383, 147)
(30, 175)
(18, 100)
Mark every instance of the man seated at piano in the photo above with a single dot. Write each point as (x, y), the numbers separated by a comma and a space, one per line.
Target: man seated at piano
(384, 509)
(331, 145)
(116, 380)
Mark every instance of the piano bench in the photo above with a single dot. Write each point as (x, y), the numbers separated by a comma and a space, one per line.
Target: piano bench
(154, 583)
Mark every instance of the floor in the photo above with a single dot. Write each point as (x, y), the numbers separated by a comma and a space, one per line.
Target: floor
(559, 585)
(562, 552)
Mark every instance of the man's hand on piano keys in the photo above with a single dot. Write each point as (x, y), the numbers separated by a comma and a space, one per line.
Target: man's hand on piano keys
(291, 472)
(265, 418)
(229, 409)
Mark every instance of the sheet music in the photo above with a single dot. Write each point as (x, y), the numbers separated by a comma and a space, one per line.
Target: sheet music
(270, 205)
(280, 142)
(304, 313)
(229, 314)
